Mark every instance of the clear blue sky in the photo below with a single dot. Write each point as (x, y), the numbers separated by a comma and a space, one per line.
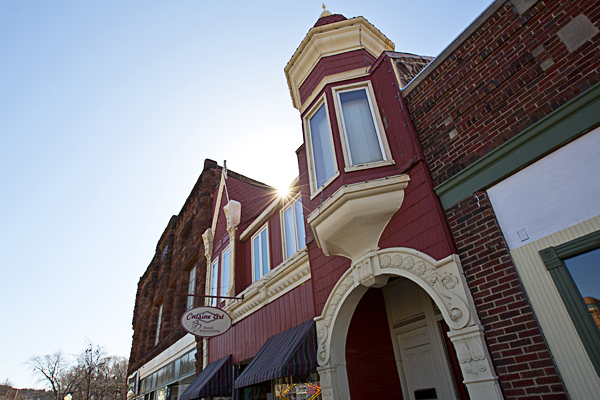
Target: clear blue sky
(107, 112)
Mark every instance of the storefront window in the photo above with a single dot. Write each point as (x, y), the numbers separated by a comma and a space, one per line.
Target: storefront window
(585, 271)
(183, 384)
(575, 269)
(297, 388)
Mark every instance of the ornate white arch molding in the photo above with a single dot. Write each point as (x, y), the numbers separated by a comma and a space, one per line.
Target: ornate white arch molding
(443, 280)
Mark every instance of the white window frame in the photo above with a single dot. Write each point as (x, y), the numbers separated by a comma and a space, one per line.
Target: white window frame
(322, 102)
(160, 309)
(191, 288)
(264, 228)
(380, 131)
(291, 205)
(225, 286)
(214, 282)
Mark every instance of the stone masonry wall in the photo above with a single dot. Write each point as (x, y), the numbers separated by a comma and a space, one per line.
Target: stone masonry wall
(169, 274)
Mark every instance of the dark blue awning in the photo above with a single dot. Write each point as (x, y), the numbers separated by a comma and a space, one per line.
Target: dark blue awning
(292, 352)
(215, 379)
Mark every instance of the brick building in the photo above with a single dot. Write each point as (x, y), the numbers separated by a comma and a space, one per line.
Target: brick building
(508, 117)
(163, 355)
(441, 233)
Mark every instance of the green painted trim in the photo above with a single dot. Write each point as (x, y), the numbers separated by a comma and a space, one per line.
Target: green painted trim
(556, 129)
(584, 323)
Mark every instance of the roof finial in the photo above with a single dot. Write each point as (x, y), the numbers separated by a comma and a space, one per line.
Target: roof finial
(325, 13)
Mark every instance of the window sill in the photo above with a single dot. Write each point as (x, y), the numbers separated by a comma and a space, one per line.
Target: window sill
(320, 189)
(377, 164)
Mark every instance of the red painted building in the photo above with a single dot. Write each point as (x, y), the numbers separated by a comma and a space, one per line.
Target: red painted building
(412, 257)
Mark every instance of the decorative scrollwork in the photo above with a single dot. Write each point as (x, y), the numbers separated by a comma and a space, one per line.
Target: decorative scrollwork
(419, 268)
(449, 281)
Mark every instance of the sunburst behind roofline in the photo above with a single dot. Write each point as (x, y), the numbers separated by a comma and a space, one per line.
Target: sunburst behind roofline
(283, 191)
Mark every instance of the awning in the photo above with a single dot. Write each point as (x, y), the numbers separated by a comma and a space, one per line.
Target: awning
(215, 379)
(292, 352)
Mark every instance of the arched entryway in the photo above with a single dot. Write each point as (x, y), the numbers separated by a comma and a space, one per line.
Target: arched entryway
(441, 284)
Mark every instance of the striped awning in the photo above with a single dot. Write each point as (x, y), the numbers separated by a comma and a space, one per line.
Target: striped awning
(215, 379)
(292, 352)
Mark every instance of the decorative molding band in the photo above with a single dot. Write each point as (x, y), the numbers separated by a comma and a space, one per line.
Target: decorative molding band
(565, 124)
(284, 278)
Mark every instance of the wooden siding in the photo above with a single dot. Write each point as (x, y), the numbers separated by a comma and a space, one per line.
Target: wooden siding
(576, 369)
(397, 126)
(334, 65)
(370, 359)
(514, 337)
(419, 224)
(246, 337)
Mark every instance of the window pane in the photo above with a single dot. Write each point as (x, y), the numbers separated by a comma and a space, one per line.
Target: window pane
(301, 234)
(158, 325)
(170, 372)
(360, 128)
(161, 377)
(321, 146)
(214, 282)
(177, 368)
(185, 365)
(256, 250)
(265, 252)
(585, 271)
(225, 273)
(191, 288)
(290, 236)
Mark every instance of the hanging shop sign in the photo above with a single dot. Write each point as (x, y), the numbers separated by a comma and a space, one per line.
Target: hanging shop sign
(206, 321)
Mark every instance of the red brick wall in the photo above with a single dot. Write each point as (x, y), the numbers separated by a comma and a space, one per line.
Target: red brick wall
(516, 343)
(494, 85)
(370, 360)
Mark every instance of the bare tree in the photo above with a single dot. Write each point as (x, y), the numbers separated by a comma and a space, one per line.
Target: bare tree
(50, 369)
(7, 382)
(93, 376)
